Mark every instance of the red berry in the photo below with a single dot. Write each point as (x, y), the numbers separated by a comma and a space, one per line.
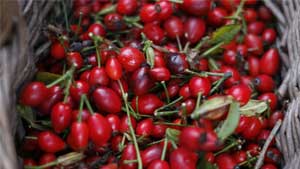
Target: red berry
(173, 27)
(61, 117)
(79, 134)
(96, 29)
(99, 129)
(253, 128)
(241, 93)
(78, 88)
(199, 85)
(113, 68)
(126, 7)
(149, 13)
(158, 164)
(34, 94)
(130, 58)
(57, 50)
(225, 161)
(98, 76)
(271, 98)
(150, 154)
(50, 142)
(181, 158)
(264, 83)
(216, 16)
(147, 103)
(144, 127)
(194, 29)
(196, 7)
(104, 97)
(154, 33)
(270, 62)
(254, 44)
(269, 36)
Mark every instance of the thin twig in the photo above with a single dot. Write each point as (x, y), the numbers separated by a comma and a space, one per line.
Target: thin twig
(266, 145)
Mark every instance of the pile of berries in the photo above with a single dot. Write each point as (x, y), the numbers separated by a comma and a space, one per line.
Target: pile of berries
(166, 84)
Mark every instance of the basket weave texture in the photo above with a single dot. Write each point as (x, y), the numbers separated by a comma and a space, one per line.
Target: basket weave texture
(21, 45)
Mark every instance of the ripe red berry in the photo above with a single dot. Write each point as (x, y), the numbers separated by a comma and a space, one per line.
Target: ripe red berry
(130, 58)
(104, 97)
(241, 93)
(199, 85)
(194, 29)
(196, 7)
(34, 94)
(270, 62)
(127, 7)
(57, 50)
(50, 142)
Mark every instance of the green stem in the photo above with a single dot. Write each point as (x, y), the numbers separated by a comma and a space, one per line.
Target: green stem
(81, 107)
(170, 104)
(212, 49)
(184, 113)
(201, 43)
(203, 73)
(176, 1)
(212, 64)
(62, 78)
(230, 146)
(198, 100)
(166, 91)
(170, 124)
(164, 151)
(66, 16)
(248, 161)
(88, 48)
(179, 43)
(67, 89)
(165, 113)
(186, 47)
(139, 159)
(79, 23)
(31, 137)
(88, 105)
(130, 161)
(219, 82)
(107, 10)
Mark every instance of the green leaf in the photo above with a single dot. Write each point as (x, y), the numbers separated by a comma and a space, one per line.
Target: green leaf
(28, 115)
(254, 107)
(46, 77)
(225, 34)
(210, 105)
(150, 55)
(172, 134)
(231, 122)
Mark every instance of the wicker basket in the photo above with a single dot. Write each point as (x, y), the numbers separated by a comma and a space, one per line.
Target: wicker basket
(21, 45)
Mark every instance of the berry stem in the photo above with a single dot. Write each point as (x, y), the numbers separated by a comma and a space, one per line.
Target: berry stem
(165, 113)
(169, 104)
(81, 107)
(198, 100)
(68, 74)
(106, 10)
(228, 147)
(88, 105)
(125, 96)
(164, 151)
(79, 23)
(166, 91)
